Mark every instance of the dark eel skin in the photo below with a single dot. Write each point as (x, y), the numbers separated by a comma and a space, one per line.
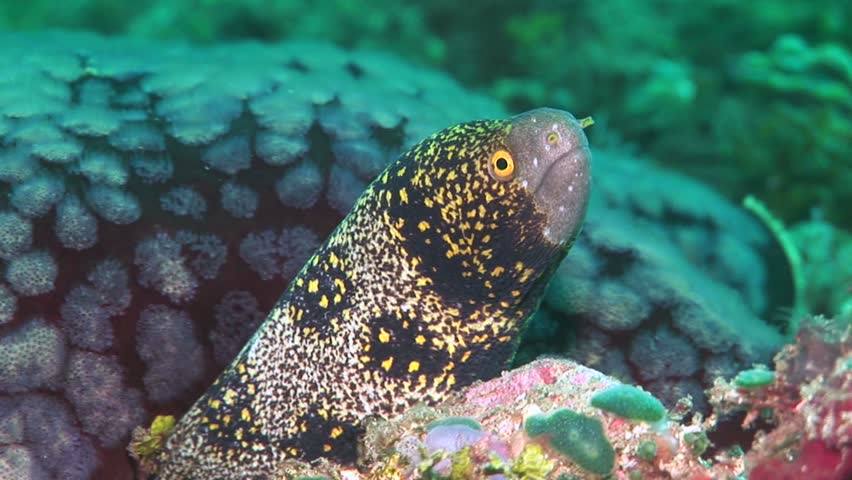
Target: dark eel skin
(423, 288)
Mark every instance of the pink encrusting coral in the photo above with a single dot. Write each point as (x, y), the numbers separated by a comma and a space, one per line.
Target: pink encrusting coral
(540, 421)
(810, 404)
(554, 418)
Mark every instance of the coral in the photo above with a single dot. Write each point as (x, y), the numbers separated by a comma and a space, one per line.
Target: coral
(630, 402)
(280, 150)
(300, 187)
(152, 169)
(205, 253)
(106, 408)
(17, 463)
(88, 308)
(810, 403)
(100, 167)
(113, 205)
(172, 355)
(76, 228)
(8, 304)
(54, 438)
(662, 353)
(33, 356)
(137, 137)
(237, 317)
(16, 234)
(270, 255)
(91, 121)
(32, 274)
(238, 200)
(229, 155)
(515, 439)
(16, 165)
(576, 436)
(184, 201)
(37, 196)
(163, 268)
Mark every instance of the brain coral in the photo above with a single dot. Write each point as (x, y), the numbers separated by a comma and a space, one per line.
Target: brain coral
(159, 197)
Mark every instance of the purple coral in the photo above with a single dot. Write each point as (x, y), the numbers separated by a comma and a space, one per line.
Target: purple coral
(32, 273)
(184, 201)
(52, 433)
(106, 408)
(172, 355)
(237, 316)
(163, 268)
(239, 200)
(87, 309)
(31, 356)
(205, 253)
(270, 255)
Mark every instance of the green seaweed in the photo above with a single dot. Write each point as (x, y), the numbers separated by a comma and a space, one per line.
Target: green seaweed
(754, 378)
(630, 402)
(578, 437)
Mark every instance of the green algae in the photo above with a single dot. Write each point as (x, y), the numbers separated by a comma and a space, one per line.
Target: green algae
(576, 436)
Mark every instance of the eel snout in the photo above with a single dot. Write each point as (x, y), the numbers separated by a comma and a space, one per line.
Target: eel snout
(555, 167)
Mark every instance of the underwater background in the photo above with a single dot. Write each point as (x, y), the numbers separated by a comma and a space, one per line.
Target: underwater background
(167, 167)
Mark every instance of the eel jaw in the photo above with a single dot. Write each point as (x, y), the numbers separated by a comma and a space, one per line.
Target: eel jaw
(556, 174)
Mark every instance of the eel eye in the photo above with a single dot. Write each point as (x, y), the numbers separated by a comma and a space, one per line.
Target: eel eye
(552, 138)
(502, 165)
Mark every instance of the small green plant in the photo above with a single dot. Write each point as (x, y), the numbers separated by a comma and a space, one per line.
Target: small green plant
(697, 441)
(630, 402)
(578, 437)
(754, 378)
(647, 451)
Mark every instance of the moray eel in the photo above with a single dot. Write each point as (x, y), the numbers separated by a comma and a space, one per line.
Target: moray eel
(423, 288)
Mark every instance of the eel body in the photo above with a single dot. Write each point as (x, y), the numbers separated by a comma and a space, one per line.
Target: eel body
(424, 287)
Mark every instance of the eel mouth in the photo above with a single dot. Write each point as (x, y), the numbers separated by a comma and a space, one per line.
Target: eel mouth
(563, 194)
(556, 168)
(554, 165)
